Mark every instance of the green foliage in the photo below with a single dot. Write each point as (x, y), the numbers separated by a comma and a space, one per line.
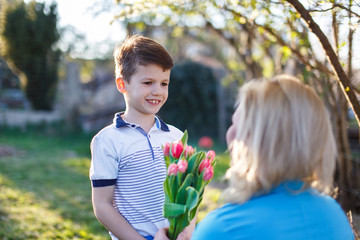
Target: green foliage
(192, 102)
(28, 34)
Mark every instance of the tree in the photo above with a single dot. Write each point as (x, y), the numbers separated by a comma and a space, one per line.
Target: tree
(341, 76)
(265, 37)
(28, 34)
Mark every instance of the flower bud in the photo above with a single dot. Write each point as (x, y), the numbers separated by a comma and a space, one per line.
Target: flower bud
(166, 149)
(204, 164)
(182, 165)
(210, 155)
(189, 151)
(208, 173)
(176, 149)
(172, 169)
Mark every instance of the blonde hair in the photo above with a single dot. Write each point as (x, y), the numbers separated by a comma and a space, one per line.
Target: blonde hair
(283, 133)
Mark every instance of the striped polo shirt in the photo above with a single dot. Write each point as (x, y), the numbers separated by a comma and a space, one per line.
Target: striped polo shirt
(124, 155)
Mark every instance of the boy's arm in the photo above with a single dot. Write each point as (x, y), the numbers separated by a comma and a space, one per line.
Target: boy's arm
(102, 200)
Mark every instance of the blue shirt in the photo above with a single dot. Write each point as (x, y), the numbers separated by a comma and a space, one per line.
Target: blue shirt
(281, 214)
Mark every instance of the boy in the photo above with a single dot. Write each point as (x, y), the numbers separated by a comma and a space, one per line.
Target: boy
(127, 166)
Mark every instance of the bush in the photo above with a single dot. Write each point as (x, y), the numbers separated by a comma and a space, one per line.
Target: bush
(192, 102)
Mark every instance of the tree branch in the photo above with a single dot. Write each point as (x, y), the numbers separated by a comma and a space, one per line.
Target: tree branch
(230, 40)
(319, 66)
(336, 5)
(342, 78)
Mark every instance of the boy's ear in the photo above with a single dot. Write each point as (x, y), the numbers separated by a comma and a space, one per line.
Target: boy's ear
(120, 84)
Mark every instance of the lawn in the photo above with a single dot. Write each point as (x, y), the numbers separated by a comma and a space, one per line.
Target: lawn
(45, 189)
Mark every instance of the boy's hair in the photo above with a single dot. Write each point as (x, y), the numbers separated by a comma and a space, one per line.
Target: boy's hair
(283, 133)
(139, 50)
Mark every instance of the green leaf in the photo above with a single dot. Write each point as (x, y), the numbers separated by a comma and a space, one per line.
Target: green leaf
(199, 181)
(193, 211)
(167, 191)
(167, 199)
(181, 195)
(184, 138)
(170, 187)
(200, 157)
(286, 52)
(194, 162)
(191, 199)
(167, 161)
(174, 187)
(172, 210)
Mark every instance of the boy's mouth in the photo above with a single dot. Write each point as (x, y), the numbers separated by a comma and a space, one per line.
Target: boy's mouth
(153, 101)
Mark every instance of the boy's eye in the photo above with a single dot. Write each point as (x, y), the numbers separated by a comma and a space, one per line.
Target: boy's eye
(147, 83)
(164, 84)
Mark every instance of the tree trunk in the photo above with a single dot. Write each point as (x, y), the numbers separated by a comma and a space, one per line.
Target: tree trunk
(345, 180)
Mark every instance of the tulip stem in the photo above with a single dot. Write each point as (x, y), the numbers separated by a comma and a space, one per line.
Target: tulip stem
(173, 237)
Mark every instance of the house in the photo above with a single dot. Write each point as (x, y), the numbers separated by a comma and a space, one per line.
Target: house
(11, 95)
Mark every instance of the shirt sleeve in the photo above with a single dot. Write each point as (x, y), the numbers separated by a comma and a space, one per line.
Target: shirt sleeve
(104, 162)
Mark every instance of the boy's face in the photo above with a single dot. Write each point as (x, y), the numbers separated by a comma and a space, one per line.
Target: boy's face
(147, 90)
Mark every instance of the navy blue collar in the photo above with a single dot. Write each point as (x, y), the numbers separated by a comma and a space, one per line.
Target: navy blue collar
(119, 122)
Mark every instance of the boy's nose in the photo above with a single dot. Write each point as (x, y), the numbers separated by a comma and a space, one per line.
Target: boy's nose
(156, 90)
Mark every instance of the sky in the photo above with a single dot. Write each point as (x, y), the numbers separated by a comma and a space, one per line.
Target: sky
(100, 36)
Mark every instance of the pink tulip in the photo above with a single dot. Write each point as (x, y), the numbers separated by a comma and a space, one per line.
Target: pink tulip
(208, 173)
(176, 149)
(182, 165)
(210, 155)
(166, 149)
(172, 169)
(204, 164)
(189, 151)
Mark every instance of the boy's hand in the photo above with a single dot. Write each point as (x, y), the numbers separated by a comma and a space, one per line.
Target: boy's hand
(161, 235)
(183, 235)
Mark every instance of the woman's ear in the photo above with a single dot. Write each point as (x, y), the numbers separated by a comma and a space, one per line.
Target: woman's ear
(120, 84)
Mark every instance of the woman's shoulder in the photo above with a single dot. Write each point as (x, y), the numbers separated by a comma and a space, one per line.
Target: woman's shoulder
(215, 224)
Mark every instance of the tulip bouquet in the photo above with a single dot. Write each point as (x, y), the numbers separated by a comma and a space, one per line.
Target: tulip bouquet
(188, 172)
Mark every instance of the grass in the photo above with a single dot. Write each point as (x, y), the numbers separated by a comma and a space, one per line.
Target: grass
(45, 189)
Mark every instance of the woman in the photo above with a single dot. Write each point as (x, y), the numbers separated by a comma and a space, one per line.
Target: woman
(283, 159)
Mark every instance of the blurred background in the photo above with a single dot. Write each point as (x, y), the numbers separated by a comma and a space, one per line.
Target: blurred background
(57, 90)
